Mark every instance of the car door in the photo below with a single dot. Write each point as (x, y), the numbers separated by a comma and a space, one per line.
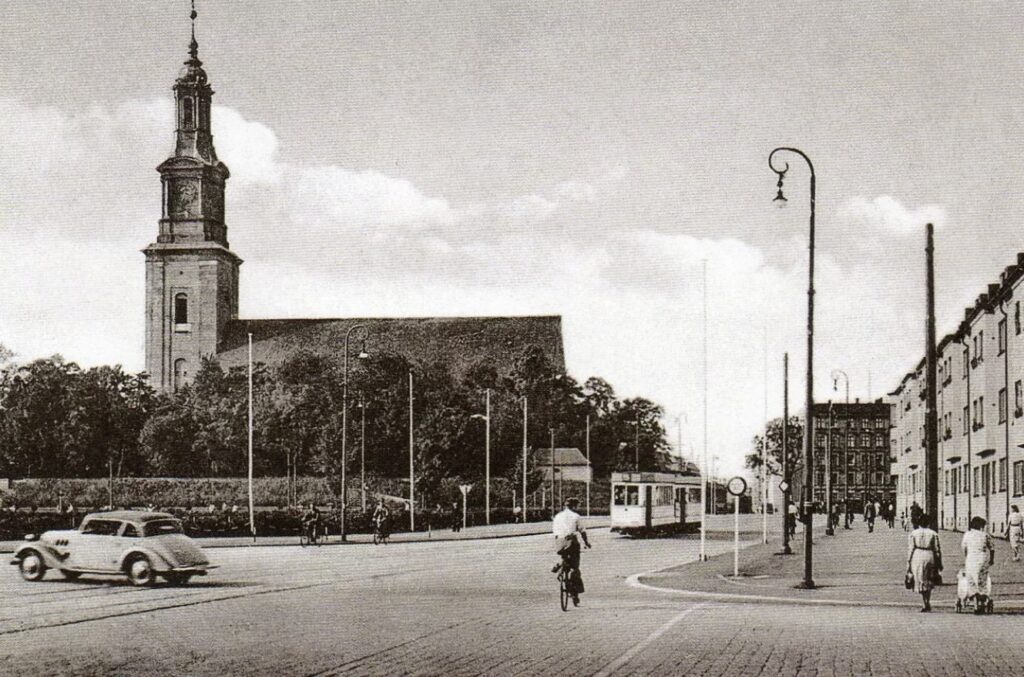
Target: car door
(97, 548)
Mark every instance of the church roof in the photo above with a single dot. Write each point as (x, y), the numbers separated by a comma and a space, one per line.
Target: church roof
(456, 341)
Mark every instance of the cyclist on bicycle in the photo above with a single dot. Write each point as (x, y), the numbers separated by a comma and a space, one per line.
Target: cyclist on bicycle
(568, 531)
(311, 522)
(380, 518)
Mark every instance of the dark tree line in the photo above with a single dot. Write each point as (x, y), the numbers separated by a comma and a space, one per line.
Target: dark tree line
(58, 420)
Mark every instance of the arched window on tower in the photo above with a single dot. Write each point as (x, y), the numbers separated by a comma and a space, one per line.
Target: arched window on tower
(181, 312)
(180, 373)
(187, 114)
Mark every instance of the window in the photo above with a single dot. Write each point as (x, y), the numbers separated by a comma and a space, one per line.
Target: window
(1002, 405)
(187, 114)
(181, 309)
(977, 482)
(160, 527)
(1018, 476)
(180, 373)
(965, 480)
(101, 527)
(1001, 334)
(1018, 399)
(967, 416)
(1016, 317)
(632, 495)
(620, 495)
(981, 411)
(1002, 474)
(979, 346)
(967, 360)
(663, 495)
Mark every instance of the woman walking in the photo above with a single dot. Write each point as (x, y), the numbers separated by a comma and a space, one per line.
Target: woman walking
(924, 559)
(979, 553)
(1015, 531)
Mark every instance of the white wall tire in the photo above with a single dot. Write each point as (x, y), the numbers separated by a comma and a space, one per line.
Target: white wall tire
(32, 567)
(140, 571)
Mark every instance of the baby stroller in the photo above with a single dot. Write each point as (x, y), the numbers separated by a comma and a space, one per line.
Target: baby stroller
(979, 600)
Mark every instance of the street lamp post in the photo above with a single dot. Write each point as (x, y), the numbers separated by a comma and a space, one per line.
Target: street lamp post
(636, 443)
(524, 459)
(362, 449)
(836, 373)
(487, 454)
(829, 530)
(808, 581)
(344, 421)
(552, 432)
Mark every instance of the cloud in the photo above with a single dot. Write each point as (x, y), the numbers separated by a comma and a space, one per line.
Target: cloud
(887, 214)
(323, 240)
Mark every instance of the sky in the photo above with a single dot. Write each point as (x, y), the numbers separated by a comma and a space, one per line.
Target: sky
(497, 158)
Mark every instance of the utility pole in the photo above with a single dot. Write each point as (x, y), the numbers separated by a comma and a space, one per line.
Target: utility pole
(764, 448)
(704, 469)
(786, 550)
(552, 431)
(412, 467)
(590, 470)
(931, 419)
(524, 459)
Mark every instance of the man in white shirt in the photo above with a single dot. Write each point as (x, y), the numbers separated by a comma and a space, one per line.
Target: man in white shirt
(568, 530)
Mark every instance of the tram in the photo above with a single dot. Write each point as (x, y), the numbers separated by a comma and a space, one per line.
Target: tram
(647, 503)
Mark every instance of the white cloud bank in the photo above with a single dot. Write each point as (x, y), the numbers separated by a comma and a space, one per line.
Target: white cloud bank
(81, 198)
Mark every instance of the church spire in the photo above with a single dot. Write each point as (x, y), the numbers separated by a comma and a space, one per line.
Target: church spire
(193, 48)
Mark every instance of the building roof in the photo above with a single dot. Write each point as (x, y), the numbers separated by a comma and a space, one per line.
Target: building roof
(853, 409)
(457, 341)
(563, 456)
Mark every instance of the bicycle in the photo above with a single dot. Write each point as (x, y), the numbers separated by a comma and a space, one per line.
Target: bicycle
(310, 535)
(565, 588)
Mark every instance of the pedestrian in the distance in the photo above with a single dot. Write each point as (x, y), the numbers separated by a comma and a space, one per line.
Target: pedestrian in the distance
(869, 516)
(849, 515)
(1015, 531)
(456, 520)
(890, 515)
(924, 559)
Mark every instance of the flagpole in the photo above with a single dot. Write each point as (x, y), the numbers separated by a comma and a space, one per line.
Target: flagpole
(252, 516)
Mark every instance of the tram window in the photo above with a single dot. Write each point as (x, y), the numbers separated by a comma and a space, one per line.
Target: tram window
(664, 496)
(632, 495)
(620, 495)
(694, 496)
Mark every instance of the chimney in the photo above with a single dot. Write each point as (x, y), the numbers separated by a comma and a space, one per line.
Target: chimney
(993, 289)
(1020, 258)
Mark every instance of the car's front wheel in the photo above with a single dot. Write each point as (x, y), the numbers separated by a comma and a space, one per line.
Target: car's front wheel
(140, 571)
(31, 566)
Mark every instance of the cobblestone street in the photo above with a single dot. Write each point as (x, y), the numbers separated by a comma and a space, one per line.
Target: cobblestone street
(492, 609)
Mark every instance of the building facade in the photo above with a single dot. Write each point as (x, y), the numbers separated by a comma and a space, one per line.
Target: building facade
(851, 443)
(980, 406)
(192, 282)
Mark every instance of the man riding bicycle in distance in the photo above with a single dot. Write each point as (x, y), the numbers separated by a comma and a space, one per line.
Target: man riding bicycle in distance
(380, 518)
(311, 522)
(568, 530)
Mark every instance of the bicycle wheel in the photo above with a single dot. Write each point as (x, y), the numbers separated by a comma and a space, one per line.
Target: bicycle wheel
(564, 590)
(303, 538)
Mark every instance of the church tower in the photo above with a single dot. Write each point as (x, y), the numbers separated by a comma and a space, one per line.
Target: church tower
(191, 274)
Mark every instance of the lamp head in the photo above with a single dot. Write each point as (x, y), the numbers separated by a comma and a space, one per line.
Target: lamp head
(780, 199)
(363, 355)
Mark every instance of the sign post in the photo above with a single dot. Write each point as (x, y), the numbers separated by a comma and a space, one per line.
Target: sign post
(464, 488)
(737, 486)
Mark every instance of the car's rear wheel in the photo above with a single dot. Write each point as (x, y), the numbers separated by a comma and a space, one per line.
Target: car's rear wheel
(177, 579)
(31, 566)
(140, 571)
(70, 575)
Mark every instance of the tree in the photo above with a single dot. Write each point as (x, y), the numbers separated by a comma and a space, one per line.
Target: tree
(794, 443)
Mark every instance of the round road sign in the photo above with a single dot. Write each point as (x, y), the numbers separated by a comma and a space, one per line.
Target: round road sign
(737, 486)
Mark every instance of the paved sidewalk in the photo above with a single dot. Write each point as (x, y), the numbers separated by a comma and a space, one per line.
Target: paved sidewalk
(851, 568)
(470, 533)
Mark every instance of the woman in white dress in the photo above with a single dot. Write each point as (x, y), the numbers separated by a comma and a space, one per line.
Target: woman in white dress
(924, 559)
(1015, 531)
(979, 553)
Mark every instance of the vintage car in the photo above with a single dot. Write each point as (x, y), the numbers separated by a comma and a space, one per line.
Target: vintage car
(137, 544)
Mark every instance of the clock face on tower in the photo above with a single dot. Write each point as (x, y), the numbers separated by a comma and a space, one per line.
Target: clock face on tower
(184, 199)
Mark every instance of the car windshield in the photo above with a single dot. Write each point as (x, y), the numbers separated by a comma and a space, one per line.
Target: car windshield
(161, 527)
